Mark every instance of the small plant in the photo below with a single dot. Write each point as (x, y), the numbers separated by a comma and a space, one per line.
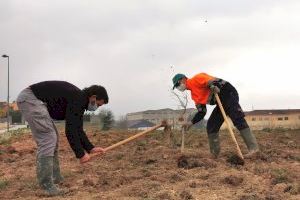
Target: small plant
(30, 184)
(260, 170)
(142, 143)
(5, 139)
(279, 176)
(3, 183)
(119, 156)
(157, 135)
(267, 130)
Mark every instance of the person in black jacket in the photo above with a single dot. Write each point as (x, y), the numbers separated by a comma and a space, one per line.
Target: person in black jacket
(42, 102)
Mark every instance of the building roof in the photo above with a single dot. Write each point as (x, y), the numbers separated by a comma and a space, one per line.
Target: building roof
(273, 112)
(139, 124)
(162, 111)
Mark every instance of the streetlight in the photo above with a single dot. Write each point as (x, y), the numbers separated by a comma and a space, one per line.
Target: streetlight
(6, 56)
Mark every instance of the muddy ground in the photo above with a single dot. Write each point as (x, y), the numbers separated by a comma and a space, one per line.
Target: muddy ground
(150, 168)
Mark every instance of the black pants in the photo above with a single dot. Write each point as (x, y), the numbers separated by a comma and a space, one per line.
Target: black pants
(230, 101)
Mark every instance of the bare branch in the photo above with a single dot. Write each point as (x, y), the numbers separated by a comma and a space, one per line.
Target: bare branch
(183, 101)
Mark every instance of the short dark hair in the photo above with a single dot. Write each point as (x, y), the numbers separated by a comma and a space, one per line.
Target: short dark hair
(97, 90)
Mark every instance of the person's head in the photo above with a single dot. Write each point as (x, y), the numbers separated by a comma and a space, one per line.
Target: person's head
(97, 96)
(179, 82)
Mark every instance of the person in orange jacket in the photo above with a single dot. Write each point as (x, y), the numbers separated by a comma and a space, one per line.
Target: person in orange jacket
(203, 87)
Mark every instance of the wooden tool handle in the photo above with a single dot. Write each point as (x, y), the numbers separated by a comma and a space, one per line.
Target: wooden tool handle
(228, 126)
(182, 140)
(130, 139)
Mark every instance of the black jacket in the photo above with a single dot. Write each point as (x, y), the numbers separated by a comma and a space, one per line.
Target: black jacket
(66, 102)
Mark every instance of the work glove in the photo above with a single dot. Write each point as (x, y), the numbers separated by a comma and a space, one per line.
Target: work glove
(187, 126)
(214, 89)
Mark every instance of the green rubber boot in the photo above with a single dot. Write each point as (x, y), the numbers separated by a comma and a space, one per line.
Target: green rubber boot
(214, 144)
(57, 177)
(250, 141)
(45, 176)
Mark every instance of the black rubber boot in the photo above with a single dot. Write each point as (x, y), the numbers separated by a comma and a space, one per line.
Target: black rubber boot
(57, 177)
(214, 144)
(250, 141)
(45, 176)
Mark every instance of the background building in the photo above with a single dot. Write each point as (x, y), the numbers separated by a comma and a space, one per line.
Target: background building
(257, 119)
(156, 116)
(15, 114)
(272, 119)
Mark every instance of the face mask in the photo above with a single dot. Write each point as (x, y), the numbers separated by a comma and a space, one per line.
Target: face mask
(181, 87)
(92, 106)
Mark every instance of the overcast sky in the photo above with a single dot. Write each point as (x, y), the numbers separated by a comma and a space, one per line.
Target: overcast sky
(130, 46)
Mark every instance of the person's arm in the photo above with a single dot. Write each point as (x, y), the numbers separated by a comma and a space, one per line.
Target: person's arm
(73, 129)
(85, 142)
(215, 85)
(200, 114)
(197, 117)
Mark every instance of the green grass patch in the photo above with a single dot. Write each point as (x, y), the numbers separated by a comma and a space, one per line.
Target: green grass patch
(3, 184)
(279, 176)
(6, 138)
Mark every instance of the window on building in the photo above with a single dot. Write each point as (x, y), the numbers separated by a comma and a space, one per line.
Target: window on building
(266, 118)
(280, 118)
(260, 119)
(253, 119)
(286, 118)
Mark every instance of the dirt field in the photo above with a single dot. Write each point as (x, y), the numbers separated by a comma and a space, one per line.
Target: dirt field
(151, 169)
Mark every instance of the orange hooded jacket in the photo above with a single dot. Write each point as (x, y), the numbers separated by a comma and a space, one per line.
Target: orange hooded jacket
(199, 87)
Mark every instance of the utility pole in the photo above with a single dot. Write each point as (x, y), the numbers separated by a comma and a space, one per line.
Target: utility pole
(6, 56)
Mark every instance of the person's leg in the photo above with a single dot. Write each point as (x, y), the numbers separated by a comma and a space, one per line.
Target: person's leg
(236, 114)
(36, 114)
(57, 177)
(213, 126)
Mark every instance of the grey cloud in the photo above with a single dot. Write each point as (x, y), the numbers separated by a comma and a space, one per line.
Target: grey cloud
(129, 46)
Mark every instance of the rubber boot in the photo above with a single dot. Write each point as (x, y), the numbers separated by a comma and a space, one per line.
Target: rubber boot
(214, 144)
(45, 176)
(250, 141)
(57, 177)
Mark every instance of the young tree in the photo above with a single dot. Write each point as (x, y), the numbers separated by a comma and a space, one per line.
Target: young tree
(107, 119)
(183, 102)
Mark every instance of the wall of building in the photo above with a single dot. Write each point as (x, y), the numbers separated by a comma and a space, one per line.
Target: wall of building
(260, 122)
(289, 120)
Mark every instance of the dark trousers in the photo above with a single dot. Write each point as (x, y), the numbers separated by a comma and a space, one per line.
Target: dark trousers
(230, 101)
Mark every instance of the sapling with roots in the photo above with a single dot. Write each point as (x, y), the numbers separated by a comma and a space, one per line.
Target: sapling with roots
(182, 100)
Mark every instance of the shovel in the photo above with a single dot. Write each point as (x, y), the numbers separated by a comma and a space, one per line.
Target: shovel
(229, 127)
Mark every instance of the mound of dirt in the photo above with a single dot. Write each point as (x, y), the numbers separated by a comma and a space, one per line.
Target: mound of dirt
(235, 160)
(186, 195)
(188, 162)
(233, 180)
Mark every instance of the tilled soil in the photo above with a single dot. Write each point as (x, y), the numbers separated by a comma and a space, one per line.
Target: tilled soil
(149, 168)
